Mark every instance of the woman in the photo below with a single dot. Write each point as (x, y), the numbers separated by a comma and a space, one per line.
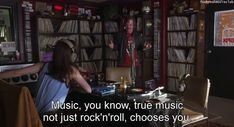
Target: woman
(55, 78)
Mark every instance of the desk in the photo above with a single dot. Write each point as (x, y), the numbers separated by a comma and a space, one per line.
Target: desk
(128, 98)
(80, 98)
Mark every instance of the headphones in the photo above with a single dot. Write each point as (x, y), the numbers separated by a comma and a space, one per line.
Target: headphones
(71, 46)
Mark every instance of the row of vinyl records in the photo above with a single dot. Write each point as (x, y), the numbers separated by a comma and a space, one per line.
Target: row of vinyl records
(156, 50)
(111, 54)
(46, 26)
(157, 19)
(156, 68)
(182, 22)
(92, 66)
(156, 44)
(89, 41)
(97, 66)
(45, 41)
(182, 38)
(85, 40)
(156, 54)
(95, 54)
(177, 69)
(109, 38)
(111, 63)
(181, 55)
(111, 26)
(85, 27)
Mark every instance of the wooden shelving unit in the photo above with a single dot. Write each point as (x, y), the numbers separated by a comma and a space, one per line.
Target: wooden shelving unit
(87, 35)
(182, 47)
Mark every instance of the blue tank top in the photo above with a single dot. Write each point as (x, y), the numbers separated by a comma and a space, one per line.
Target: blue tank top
(49, 90)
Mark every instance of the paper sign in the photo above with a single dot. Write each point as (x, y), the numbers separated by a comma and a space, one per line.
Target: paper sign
(8, 46)
(224, 28)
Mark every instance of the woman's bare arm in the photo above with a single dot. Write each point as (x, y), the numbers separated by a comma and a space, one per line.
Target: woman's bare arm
(81, 81)
(19, 72)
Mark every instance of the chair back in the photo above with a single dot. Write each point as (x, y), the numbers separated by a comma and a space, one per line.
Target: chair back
(17, 108)
(197, 91)
(115, 73)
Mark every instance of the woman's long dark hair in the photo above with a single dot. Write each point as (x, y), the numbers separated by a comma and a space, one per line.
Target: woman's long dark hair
(61, 66)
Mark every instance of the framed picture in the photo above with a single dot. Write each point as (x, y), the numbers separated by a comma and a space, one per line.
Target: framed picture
(6, 24)
(224, 28)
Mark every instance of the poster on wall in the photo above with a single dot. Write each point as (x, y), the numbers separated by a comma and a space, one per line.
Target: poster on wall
(224, 28)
